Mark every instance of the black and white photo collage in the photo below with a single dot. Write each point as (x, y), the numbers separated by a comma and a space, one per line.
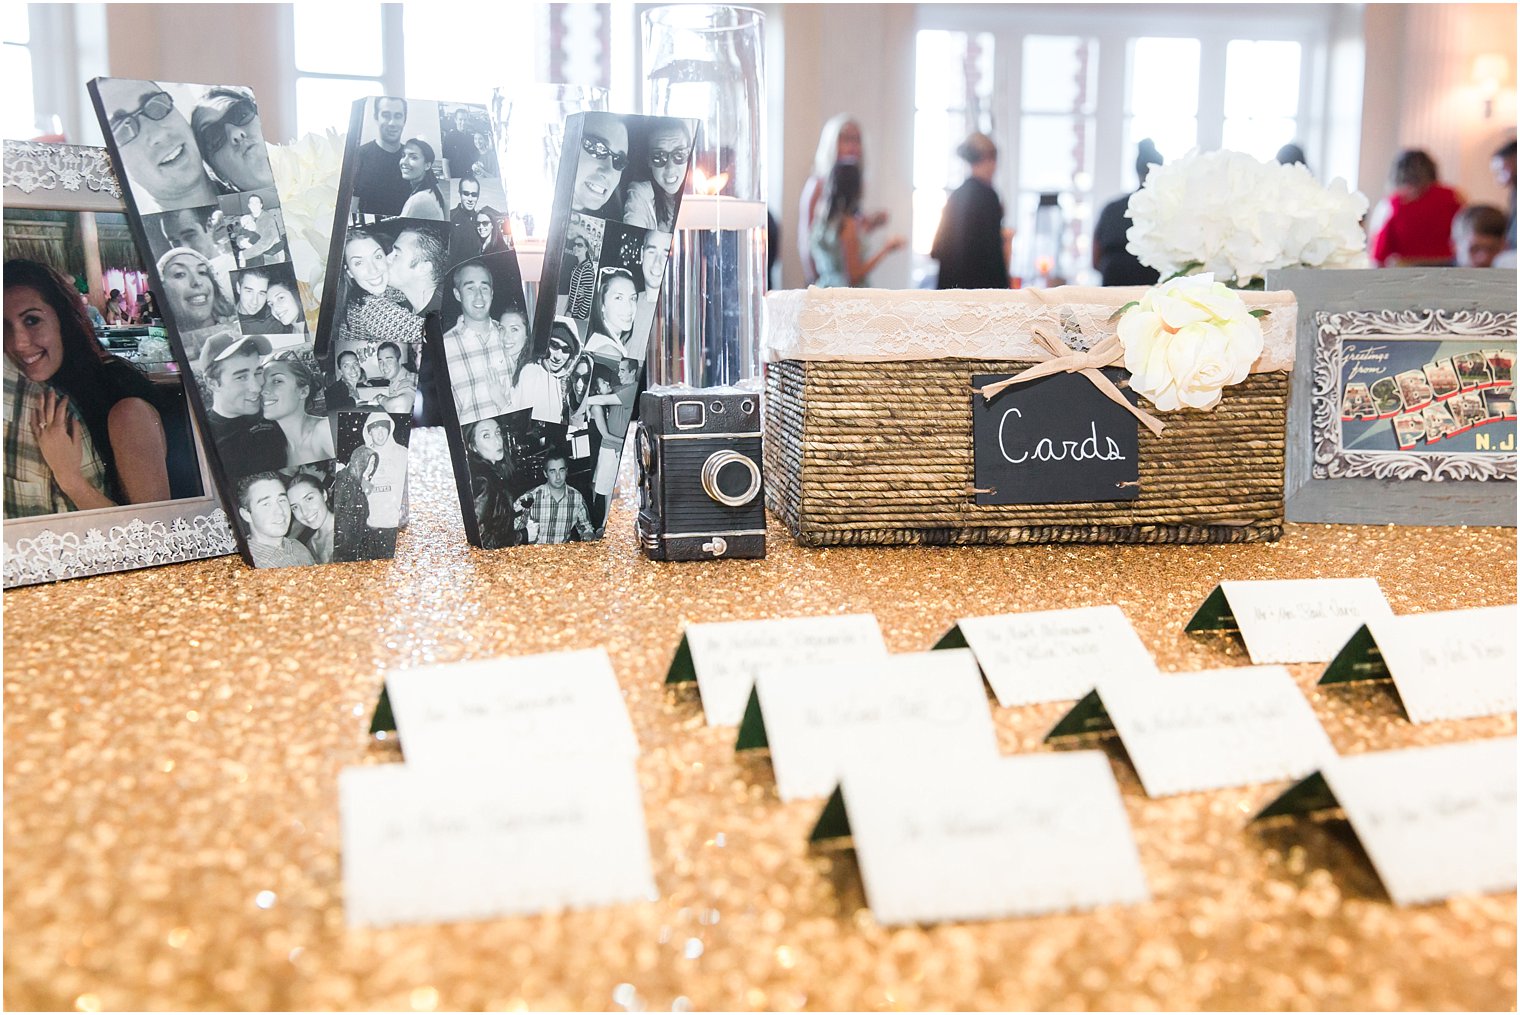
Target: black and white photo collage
(200, 192)
(543, 470)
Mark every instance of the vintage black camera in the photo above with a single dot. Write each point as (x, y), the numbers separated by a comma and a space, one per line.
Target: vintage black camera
(701, 491)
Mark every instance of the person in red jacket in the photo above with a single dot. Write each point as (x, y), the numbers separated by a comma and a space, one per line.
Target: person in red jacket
(1418, 228)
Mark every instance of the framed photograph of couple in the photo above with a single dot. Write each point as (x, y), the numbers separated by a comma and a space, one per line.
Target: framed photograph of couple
(103, 463)
(1402, 403)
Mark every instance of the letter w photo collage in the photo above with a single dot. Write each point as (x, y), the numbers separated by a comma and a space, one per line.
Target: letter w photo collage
(539, 426)
(201, 198)
(1450, 396)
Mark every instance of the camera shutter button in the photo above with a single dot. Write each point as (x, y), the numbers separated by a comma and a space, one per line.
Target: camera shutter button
(716, 463)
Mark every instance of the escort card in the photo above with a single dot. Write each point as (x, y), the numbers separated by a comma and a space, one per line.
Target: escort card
(1450, 665)
(1056, 655)
(441, 843)
(814, 717)
(1435, 821)
(523, 706)
(1297, 620)
(961, 840)
(724, 658)
(1186, 732)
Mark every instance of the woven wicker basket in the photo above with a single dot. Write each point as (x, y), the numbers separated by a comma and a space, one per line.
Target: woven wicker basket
(847, 464)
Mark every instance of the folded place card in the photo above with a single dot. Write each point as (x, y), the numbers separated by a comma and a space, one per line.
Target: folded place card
(1434, 821)
(815, 717)
(1449, 665)
(1055, 655)
(966, 840)
(1297, 620)
(526, 705)
(723, 658)
(1186, 732)
(441, 843)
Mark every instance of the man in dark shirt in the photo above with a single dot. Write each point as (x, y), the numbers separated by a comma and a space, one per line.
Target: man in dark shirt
(459, 145)
(245, 441)
(1110, 248)
(378, 183)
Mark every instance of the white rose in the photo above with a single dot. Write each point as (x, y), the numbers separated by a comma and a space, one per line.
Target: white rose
(1186, 340)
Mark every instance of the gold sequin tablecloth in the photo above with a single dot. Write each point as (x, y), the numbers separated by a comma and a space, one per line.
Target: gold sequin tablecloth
(173, 739)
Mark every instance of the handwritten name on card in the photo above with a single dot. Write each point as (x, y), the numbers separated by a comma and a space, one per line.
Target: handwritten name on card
(1435, 821)
(1186, 732)
(727, 656)
(524, 707)
(966, 840)
(1302, 620)
(1451, 665)
(442, 843)
(1055, 655)
(819, 715)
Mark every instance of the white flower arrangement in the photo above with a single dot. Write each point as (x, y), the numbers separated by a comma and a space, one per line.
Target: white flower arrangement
(307, 172)
(1186, 339)
(1234, 217)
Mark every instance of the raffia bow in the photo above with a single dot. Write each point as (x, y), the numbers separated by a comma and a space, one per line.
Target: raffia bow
(1066, 360)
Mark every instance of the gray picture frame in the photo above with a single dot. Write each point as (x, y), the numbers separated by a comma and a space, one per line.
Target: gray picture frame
(48, 548)
(1417, 301)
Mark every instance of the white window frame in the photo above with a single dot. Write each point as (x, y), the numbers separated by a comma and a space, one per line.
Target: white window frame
(1113, 26)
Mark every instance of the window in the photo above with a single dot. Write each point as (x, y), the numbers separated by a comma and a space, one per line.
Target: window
(1161, 99)
(456, 54)
(1261, 96)
(16, 77)
(340, 57)
(1071, 96)
(952, 98)
(1057, 105)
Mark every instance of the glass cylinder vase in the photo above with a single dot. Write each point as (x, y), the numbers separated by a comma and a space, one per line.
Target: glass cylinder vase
(530, 132)
(706, 62)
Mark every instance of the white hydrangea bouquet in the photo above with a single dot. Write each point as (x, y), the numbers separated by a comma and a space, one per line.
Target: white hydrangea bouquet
(1236, 218)
(307, 173)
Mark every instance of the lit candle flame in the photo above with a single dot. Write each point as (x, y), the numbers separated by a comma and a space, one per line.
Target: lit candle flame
(701, 183)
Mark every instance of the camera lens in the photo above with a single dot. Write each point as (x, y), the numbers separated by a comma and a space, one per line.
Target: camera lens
(730, 478)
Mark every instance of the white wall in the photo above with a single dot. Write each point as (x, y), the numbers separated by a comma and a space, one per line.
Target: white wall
(1419, 92)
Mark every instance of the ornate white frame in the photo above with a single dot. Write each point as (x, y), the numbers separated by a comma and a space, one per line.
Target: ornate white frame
(53, 547)
(1331, 460)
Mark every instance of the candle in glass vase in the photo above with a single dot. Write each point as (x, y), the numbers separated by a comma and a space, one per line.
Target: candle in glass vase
(705, 63)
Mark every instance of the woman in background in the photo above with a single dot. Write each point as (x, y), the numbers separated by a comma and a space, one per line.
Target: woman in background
(837, 242)
(582, 284)
(426, 200)
(969, 242)
(491, 479)
(652, 203)
(49, 341)
(839, 142)
(1417, 229)
(288, 386)
(514, 352)
(116, 309)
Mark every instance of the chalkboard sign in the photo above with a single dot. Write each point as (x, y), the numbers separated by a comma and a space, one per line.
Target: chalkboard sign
(1056, 440)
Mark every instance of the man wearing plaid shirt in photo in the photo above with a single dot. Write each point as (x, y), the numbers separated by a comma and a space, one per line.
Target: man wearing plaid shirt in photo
(553, 511)
(476, 349)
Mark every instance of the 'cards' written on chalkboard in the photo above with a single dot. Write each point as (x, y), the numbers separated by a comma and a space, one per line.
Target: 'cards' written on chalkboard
(1055, 440)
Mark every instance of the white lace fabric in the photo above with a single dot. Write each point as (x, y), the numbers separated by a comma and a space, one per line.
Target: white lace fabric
(873, 325)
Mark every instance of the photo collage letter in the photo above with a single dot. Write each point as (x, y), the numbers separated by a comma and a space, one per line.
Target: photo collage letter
(303, 483)
(539, 426)
(1444, 395)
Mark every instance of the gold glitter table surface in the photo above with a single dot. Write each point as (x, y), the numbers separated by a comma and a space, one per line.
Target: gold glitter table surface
(173, 739)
